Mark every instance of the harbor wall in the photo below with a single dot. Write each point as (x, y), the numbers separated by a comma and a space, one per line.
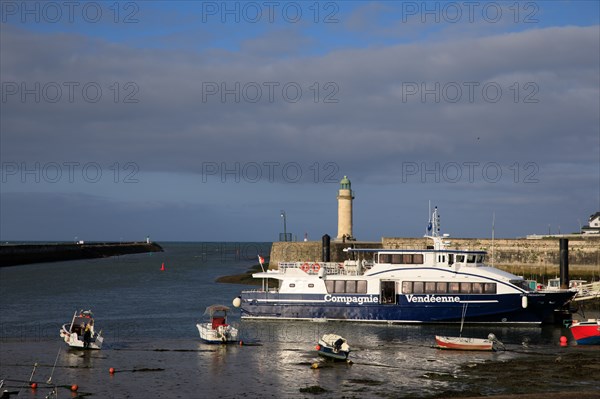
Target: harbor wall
(518, 256)
(21, 254)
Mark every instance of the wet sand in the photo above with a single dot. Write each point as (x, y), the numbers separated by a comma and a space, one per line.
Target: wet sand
(274, 368)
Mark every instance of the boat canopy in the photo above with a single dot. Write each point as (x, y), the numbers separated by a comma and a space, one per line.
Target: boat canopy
(212, 309)
(82, 320)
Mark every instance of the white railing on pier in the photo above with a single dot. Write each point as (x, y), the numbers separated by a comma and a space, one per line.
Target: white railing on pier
(347, 268)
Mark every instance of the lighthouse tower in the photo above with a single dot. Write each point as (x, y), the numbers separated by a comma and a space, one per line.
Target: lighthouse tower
(345, 197)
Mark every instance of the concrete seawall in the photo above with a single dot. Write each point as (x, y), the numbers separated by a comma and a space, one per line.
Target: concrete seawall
(21, 254)
(514, 255)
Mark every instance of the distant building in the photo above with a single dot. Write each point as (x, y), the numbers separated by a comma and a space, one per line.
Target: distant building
(593, 226)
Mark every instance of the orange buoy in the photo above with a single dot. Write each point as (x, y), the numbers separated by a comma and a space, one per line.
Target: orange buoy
(241, 343)
(74, 387)
(563, 341)
(33, 385)
(318, 347)
(111, 370)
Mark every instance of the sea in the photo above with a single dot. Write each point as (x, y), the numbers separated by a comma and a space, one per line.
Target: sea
(148, 317)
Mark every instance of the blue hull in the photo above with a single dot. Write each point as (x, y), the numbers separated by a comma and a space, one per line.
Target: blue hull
(407, 309)
(329, 353)
(595, 340)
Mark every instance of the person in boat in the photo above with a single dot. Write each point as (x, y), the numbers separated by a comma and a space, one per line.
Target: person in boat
(337, 345)
(87, 336)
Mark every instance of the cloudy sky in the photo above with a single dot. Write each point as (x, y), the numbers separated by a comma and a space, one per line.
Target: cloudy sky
(201, 121)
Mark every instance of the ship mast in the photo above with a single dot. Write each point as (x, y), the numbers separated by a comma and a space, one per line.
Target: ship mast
(433, 229)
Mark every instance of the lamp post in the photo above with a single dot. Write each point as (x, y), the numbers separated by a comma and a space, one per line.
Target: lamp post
(284, 225)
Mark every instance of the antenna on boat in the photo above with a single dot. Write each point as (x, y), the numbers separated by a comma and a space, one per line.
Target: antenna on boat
(433, 229)
(493, 231)
(428, 229)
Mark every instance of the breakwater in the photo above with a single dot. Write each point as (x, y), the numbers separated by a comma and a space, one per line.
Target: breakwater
(518, 256)
(21, 254)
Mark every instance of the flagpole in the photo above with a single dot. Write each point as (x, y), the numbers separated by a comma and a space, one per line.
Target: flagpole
(260, 262)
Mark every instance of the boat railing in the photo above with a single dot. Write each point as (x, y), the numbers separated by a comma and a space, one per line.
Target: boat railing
(587, 291)
(347, 268)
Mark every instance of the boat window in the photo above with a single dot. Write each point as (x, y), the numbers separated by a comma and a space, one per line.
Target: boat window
(385, 258)
(438, 287)
(460, 258)
(292, 285)
(351, 286)
(480, 258)
(450, 259)
(345, 286)
(523, 284)
(454, 288)
(418, 259)
(418, 287)
(477, 288)
(441, 288)
(407, 258)
(465, 288)
(361, 286)
(311, 285)
(470, 258)
(397, 258)
(430, 287)
(489, 288)
(329, 285)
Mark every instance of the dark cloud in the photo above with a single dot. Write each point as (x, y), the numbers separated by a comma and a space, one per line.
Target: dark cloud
(357, 109)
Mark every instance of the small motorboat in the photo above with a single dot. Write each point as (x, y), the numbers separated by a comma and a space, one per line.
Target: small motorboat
(216, 330)
(586, 332)
(80, 332)
(467, 344)
(333, 346)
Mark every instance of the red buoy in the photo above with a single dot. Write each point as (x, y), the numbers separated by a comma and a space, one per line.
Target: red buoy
(318, 347)
(563, 341)
(74, 387)
(111, 370)
(162, 268)
(33, 385)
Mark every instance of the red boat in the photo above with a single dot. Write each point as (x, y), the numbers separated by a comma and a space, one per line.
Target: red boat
(586, 332)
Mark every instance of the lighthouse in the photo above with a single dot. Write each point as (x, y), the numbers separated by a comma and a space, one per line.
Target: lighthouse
(345, 197)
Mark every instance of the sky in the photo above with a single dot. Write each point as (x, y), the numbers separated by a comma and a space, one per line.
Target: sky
(203, 121)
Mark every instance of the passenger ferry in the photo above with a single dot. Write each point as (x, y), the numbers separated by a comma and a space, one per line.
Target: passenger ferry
(402, 286)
